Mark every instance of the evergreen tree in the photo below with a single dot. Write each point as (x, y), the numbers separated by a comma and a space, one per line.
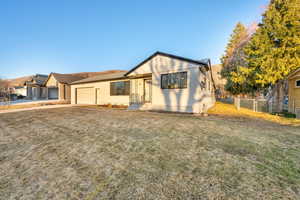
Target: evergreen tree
(274, 50)
(234, 57)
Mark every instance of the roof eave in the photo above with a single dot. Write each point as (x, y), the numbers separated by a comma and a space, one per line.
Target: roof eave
(110, 79)
(291, 75)
(167, 55)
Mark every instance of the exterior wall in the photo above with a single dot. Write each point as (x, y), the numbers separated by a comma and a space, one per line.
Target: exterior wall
(36, 93)
(43, 93)
(29, 92)
(52, 82)
(294, 93)
(64, 90)
(104, 92)
(21, 91)
(67, 90)
(193, 99)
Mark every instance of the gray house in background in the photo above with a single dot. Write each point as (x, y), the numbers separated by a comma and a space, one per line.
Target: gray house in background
(35, 87)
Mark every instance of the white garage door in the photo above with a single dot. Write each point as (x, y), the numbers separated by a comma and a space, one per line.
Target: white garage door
(85, 96)
(53, 93)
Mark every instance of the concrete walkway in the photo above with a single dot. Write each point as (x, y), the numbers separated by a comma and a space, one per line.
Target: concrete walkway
(35, 108)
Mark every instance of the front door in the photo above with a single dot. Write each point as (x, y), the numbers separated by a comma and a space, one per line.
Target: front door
(148, 90)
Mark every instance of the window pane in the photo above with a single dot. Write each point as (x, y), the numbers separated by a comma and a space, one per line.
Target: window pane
(174, 80)
(298, 83)
(164, 81)
(120, 88)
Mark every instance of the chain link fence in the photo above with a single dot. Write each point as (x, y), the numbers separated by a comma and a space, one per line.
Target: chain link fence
(262, 105)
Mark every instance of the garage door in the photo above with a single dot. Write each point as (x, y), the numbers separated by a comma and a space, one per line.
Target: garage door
(52, 93)
(85, 96)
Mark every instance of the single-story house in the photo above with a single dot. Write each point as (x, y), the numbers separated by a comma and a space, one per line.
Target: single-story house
(294, 92)
(160, 82)
(35, 87)
(58, 85)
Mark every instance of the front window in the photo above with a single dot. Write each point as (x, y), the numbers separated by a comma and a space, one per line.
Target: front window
(176, 80)
(298, 83)
(119, 88)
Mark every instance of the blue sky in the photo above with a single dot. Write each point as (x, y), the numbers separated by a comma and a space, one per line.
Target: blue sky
(67, 36)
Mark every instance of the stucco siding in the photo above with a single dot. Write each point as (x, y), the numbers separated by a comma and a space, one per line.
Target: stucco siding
(67, 92)
(52, 82)
(104, 97)
(21, 91)
(162, 64)
(191, 99)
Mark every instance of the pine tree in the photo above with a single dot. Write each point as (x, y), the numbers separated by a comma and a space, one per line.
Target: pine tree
(234, 57)
(274, 50)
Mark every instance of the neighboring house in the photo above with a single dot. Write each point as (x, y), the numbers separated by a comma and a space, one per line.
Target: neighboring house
(15, 87)
(20, 91)
(58, 85)
(294, 92)
(35, 87)
(161, 82)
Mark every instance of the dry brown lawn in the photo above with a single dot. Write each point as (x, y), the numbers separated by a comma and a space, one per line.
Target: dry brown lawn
(30, 105)
(101, 153)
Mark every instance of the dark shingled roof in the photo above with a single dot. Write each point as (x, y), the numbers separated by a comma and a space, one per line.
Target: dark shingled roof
(199, 62)
(38, 79)
(67, 78)
(70, 78)
(103, 77)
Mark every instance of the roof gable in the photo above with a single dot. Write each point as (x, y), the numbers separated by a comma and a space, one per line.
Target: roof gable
(166, 55)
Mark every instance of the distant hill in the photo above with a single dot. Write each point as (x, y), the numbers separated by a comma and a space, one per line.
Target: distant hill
(18, 81)
(90, 74)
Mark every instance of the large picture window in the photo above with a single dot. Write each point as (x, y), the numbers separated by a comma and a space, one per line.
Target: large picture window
(176, 80)
(119, 88)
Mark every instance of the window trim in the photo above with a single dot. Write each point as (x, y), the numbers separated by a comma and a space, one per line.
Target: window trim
(161, 81)
(296, 83)
(110, 84)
